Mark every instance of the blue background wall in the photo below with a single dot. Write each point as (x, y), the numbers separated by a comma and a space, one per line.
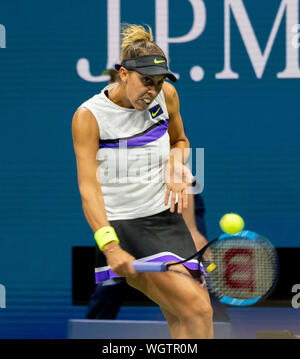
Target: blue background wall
(249, 128)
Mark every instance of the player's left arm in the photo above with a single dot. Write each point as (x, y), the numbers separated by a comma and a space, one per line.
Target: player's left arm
(189, 217)
(179, 143)
(178, 176)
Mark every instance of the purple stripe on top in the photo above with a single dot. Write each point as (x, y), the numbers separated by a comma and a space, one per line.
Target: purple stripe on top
(107, 274)
(139, 140)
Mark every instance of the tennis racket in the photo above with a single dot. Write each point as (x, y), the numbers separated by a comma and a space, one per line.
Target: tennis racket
(240, 269)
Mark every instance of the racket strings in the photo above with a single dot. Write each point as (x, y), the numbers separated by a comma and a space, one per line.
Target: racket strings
(243, 269)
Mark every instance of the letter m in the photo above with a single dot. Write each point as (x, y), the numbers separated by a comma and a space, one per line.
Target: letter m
(258, 58)
(2, 296)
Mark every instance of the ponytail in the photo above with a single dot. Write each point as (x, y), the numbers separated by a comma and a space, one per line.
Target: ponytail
(137, 41)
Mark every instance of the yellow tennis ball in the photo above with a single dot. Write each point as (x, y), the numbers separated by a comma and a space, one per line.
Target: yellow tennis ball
(231, 223)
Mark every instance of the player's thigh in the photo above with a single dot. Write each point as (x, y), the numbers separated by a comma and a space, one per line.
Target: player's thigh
(177, 294)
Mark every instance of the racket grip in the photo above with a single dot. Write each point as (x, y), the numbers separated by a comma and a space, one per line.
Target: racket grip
(150, 266)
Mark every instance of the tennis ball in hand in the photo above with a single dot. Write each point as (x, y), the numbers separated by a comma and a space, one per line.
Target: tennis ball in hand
(231, 223)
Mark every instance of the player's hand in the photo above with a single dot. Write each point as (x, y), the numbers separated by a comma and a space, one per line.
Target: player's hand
(120, 261)
(177, 177)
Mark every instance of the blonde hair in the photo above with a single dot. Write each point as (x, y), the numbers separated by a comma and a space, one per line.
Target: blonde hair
(137, 41)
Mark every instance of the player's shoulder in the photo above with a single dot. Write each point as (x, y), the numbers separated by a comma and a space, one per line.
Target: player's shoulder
(171, 97)
(169, 90)
(84, 122)
(83, 112)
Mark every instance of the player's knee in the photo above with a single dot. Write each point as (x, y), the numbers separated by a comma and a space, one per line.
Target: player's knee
(200, 308)
(206, 311)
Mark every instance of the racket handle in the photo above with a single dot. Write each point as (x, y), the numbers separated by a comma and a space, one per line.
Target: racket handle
(150, 266)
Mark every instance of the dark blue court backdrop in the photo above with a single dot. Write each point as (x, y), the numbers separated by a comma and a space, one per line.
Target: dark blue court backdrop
(239, 89)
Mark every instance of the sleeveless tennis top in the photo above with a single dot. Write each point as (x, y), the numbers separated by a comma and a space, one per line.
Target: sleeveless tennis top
(133, 149)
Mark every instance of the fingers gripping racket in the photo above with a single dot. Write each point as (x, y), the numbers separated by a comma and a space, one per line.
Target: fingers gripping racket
(239, 269)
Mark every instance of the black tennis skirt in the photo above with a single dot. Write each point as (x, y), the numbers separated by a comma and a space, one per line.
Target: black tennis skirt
(162, 237)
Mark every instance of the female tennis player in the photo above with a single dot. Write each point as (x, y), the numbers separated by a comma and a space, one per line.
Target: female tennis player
(130, 148)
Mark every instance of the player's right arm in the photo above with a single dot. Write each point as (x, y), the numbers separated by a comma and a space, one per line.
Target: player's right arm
(85, 134)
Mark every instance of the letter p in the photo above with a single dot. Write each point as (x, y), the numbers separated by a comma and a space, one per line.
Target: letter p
(162, 24)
